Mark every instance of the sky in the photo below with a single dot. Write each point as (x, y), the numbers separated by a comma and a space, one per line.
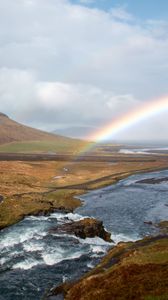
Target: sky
(75, 64)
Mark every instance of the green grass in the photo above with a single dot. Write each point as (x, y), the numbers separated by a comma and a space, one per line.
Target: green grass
(43, 146)
(15, 208)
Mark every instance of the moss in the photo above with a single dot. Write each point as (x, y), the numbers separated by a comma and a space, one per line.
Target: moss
(126, 272)
(131, 282)
(17, 207)
(163, 226)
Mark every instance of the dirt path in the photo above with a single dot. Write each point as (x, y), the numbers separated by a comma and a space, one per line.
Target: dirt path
(86, 186)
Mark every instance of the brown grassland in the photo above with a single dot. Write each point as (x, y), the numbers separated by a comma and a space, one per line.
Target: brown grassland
(130, 270)
(37, 187)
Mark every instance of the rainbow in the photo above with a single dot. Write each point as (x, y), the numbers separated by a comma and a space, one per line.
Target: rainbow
(142, 112)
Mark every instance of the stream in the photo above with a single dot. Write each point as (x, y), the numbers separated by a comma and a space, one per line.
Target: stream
(33, 259)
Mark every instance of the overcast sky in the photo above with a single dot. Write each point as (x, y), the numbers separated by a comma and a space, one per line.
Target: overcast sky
(82, 63)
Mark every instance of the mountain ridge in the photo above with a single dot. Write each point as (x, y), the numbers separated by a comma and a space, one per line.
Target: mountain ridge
(19, 138)
(12, 131)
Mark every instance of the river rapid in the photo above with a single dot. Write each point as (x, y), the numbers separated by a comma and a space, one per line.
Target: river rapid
(33, 259)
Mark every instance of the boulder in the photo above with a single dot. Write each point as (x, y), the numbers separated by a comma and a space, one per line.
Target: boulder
(148, 222)
(86, 228)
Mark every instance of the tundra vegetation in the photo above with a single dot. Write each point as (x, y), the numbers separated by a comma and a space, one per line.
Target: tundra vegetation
(31, 187)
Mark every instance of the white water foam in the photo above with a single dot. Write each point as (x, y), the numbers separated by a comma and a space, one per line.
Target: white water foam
(26, 264)
(32, 247)
(146, 151)
(94, 241)
(3, 260)
(98, 249)
(20, 237)
(134, 151)
(97, 245)
(56, 257)
(37, 218)
(15, 253)
(64, 278)
(130, 182)
(90, 265)
(58, 216)
(52, 258)
(124, 238)
(75, 217)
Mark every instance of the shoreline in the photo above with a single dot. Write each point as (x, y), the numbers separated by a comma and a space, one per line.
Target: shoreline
(70, 198)
(83, 288)
(129, 270)
(66, 198)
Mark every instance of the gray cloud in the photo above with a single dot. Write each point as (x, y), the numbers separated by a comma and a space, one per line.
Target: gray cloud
(68, 64)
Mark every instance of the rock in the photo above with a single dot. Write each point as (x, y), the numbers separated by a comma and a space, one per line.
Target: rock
(148, 222)
(153, 180)
(86, 228)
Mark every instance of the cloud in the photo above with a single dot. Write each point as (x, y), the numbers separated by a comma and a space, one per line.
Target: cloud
(25, 95)
(16, 90)
(121, 14)
(86, 1)
(62, 63)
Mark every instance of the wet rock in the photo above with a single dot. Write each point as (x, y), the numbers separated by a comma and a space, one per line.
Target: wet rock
(86, 228)
(153, 180)
(48, 212)
(59, 292)
(148, 222)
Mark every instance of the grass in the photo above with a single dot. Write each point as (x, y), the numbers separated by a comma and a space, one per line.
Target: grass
(15, 208)
(130, 270)
(62, 146)
(126, 272)
(29, 180)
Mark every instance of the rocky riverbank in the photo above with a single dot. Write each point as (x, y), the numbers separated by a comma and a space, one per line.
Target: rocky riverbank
(132, 270)
(43, 197)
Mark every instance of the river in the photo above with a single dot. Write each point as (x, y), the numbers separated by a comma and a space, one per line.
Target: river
(33, 259)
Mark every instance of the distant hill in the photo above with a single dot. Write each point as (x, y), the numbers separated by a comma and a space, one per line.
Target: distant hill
(11, 131)
(79, 132)
(15, 137)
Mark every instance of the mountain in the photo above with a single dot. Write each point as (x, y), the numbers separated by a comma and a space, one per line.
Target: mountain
(11, 131)
(79, 132)
(15, 137)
